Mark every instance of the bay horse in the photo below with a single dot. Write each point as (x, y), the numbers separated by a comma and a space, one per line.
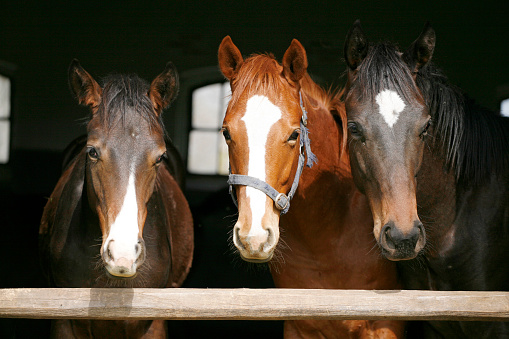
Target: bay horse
(435, 168)
(326, 239)
(117, 217)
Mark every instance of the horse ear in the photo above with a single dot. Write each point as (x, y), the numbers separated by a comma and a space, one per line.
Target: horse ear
(230, 58)
(356, 46)
(164, 88)
(84, 88)
(295, 61)
(421, 50)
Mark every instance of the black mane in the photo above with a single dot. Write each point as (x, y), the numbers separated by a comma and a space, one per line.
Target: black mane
(123, 94)
(473, 140)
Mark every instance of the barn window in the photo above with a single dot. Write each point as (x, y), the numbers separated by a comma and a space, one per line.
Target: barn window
(504, 107)
(207, 150)
(5, 113)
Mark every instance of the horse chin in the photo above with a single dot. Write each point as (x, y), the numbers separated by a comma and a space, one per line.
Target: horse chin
(394, 255)
(121, 277)
(257, 260)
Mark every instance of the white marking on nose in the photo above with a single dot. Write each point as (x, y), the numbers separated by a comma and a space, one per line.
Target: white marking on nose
(390, 106)
(260, 116)
(124, 230)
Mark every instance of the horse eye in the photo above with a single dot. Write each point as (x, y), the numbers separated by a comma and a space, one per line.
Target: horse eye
(161, 157)
(294, 135)
(425, 129)
(226, 135)
(92, 153)
(355, 130)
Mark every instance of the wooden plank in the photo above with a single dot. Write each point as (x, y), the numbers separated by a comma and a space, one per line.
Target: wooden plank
(251, 304)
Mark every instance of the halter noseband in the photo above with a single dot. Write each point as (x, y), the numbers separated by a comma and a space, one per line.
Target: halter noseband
(281, 200)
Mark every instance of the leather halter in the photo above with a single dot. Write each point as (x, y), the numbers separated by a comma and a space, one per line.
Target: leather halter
(281, 200)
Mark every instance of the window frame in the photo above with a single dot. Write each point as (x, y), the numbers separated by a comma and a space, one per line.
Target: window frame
(178, 122)
(207, 124)
(8, 70)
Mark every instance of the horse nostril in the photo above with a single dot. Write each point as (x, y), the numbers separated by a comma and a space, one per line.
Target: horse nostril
(420, 227)
(236, 238)
(140, 251)
(107, 253)
(271, 237)
(387, 238)
(421, 238)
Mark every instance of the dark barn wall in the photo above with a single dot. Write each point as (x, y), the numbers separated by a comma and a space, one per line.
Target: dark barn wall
(41, 38)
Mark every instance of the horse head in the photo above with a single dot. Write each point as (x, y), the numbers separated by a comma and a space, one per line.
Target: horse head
(388, 124)
(262, 128)
(125, 146)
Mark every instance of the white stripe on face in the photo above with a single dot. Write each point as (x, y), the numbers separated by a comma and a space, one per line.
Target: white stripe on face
(260, 116)
(390, 106)
(124, 230)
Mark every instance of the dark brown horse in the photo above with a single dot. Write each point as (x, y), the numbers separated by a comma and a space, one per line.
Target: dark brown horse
(117, 217)
(326, 232)
(435, 168)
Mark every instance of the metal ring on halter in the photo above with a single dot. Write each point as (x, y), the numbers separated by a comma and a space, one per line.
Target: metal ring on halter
(278, 199)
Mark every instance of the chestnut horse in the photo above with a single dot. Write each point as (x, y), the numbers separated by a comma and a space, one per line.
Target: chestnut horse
(435, 168)
(117, 217)
(326, 232)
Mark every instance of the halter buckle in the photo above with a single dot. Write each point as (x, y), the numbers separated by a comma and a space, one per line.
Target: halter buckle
(278, 201)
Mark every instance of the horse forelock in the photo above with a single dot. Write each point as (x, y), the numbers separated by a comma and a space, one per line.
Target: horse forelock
(262, 74)
(122, 95)
(259, 74)
(384, 69)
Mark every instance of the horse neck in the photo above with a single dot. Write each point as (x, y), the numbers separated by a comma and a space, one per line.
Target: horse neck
(326, 135)
(326, 190)
(436, 211)
(329, 224)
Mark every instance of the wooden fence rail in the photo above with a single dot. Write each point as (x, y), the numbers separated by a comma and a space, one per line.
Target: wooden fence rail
(251, 304)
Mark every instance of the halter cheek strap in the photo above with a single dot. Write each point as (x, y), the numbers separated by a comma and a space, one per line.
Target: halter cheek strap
(281, 200)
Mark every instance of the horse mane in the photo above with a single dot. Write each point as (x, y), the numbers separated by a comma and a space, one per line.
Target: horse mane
(473, 140)
(123, 94)
(330, 100)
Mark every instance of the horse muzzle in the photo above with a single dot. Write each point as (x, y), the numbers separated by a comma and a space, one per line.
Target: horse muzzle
(122, 260)
(256, 247)
(398, 245)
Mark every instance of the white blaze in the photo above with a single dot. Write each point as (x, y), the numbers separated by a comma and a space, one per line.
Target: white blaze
(260, 116)
(124, 230)
(390, 106)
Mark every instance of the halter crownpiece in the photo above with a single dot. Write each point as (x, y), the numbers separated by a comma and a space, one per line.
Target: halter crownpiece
(281, 200)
